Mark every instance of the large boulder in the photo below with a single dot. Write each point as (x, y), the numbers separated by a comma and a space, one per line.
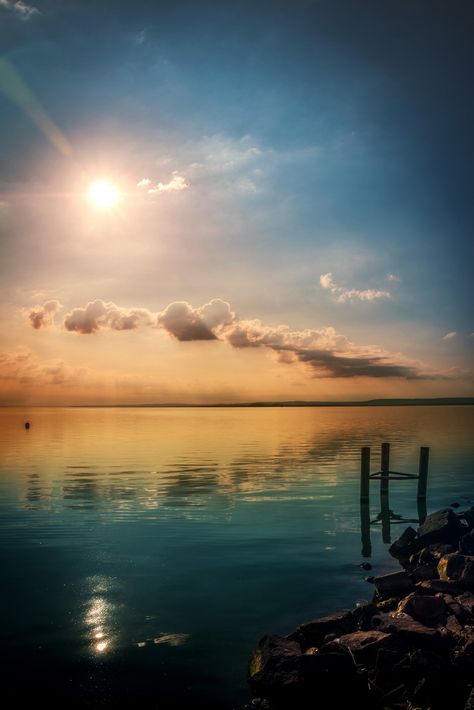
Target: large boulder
(457, 567)
(425, 609)
(405, 546)
(409, 631)
(274, 667)
(443, 526)
(313, 633)
(364, 645)
(394, 584)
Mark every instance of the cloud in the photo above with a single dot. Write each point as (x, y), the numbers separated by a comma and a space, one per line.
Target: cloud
(325, 351)
(176, 184)
(97, 315)
(449, 336)
(392, 277)
(43, 316)
(187, 323)
(342, 294)
(23, 367)
(24, 11)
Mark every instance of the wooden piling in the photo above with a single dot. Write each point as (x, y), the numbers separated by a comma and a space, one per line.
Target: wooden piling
(384, 468)
(423, 473)
(365, 473)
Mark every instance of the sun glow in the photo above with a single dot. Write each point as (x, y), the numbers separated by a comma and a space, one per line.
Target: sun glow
(103, 194)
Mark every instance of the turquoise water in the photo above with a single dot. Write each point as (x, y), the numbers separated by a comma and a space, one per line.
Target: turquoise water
(145, 551)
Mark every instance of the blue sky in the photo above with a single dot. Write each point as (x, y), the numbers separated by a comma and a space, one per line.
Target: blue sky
(312, 138)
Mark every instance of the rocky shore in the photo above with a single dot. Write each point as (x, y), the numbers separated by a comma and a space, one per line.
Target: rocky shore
(410, 648)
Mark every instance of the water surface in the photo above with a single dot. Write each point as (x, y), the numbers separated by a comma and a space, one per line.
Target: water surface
(145, 551)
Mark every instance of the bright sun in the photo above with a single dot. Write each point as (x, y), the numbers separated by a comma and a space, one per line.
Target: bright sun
(103, 194)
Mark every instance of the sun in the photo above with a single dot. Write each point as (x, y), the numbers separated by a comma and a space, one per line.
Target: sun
(103, 194)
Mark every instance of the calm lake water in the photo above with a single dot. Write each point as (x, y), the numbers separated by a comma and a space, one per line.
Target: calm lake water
(145, 551)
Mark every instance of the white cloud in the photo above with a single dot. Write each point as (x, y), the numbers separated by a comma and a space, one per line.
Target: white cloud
(176, 184)
(393, 277)
(342, 294)
(449, 336)
(23, 10)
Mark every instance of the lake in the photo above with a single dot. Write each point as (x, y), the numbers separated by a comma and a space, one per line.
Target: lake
(144, 551)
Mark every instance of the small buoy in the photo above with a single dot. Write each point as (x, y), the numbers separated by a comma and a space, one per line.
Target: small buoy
(27, 425)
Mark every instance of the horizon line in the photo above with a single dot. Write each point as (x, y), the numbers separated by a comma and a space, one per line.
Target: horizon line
(381, 402)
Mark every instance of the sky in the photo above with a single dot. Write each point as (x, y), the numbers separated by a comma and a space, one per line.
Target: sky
(218, 201)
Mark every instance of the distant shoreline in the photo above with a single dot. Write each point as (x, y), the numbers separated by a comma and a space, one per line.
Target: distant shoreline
(416, 402)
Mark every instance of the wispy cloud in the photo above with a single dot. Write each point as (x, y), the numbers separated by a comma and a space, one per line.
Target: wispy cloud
(325, 351)
(22, 366)
(393, 277)
(175, 184)
(343, 294)
(449, 336)
(24, 11)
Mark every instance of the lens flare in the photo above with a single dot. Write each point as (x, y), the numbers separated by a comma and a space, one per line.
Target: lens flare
(103, 194)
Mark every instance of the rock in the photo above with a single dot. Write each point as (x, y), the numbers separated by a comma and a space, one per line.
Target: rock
(313, 632)
(467, 577)
(454, 628)
(434, 586)
(424, 572)
(366, 565)
(428, 610)
(443, 526)
(274, 666)
(466, 600)
(393, 584)
(454, 505)
(468, 517)
(406, 545)
(410, 631)
(466, 543)
(363, 614)
(470, 701)
(457, 567)
(364, 645)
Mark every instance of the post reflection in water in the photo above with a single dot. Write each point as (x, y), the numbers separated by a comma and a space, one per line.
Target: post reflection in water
(386, 517)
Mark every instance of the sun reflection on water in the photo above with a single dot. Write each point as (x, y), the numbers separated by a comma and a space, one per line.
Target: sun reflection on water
(99, 617)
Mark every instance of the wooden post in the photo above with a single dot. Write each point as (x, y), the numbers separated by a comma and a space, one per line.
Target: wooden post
(384, 467)
(385, 516)
(365, 473)
(423, 473)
